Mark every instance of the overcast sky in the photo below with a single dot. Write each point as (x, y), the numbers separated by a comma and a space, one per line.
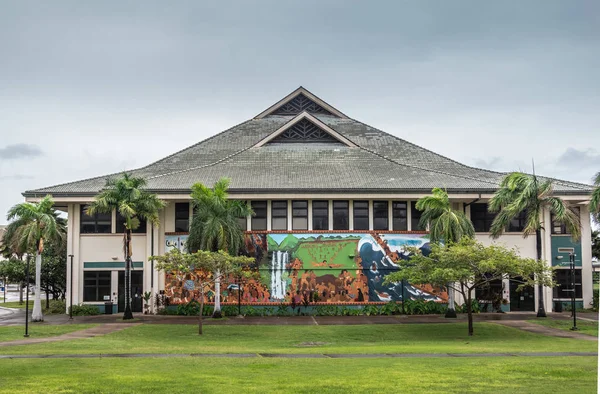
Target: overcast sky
(91, 88)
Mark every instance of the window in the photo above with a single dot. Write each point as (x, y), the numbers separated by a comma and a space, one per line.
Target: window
(96, 285)
(415, 217)
(341, 215)
(243, 220)
(320, 210)
(380, 215)
(259, 220)
(399, 218)
(182, 217)
(99, 223)
(518, 223)
(560, 228)
(563, 279)
(482, 219)
(279, 211)
(299, 215)
(361, 215)
(121, 225)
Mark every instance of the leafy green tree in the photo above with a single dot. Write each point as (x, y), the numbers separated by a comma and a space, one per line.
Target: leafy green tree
(128, 196)
(467, 265)
(54, 270)
(13, 271)
(595, 200)
(10, 250)
(445, 224)
(519, 192)
(200, 267)
(215, 225)
(37, 223)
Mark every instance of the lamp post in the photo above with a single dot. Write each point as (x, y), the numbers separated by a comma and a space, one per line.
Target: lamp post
(71, 290)
(572, 266)
(27, 299)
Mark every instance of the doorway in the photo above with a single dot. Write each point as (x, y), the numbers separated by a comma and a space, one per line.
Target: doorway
(136, 291)
(521, 301)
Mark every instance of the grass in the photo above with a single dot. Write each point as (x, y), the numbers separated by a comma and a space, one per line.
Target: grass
(37, 330)
(393, 338)
(15, 304)
(585, 327)
(218, 375)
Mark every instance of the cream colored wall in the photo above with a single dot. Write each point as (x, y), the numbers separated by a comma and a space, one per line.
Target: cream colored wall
(525, 246)
(103, 247)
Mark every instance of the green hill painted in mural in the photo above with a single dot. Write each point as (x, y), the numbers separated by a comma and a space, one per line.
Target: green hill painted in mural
(330, 255)
(289, 242)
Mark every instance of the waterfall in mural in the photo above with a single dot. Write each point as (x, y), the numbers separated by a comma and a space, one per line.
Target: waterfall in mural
(278, 264)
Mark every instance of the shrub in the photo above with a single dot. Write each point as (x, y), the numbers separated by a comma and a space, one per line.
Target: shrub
(57, 307)
(85, 310)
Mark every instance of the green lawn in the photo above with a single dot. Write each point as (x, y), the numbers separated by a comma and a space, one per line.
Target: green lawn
(15, 304)
(37, 330)
(263, 375)
(393, 338)
(585, 327)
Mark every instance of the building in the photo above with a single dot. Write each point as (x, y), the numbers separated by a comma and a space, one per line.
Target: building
(334, 200)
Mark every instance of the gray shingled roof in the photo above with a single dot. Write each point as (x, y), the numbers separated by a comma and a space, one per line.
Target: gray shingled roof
(381, 162)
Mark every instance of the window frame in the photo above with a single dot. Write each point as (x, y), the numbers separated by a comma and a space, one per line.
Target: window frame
(397, 215)
(299, 212)
(562, 228)
(487, 217)
(379, 213)
(564, 283)
(361, 216)
(277, 206)
(259, 206)
(337, 209)
(321, 205)
(179, 217)
(95, 220)
(107, 276)
(415, 217)
(120, 225)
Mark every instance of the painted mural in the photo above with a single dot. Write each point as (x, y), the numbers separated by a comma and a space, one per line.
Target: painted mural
(321, 268)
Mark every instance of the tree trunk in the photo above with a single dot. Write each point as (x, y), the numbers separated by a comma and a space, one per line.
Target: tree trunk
(22, 286)
(201, 309)
(37, 315)
(451, 312)
(47, 300)
(538, 246)
(217, 311)
(127, 315)
(470, 313)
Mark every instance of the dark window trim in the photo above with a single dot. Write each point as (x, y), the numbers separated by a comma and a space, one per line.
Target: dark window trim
(259, 207)
(559, 291)
(324, 206)
(482, 216)
(361, 216)
(182, 220)
(341, 209)
(399, 214)
(96, 286)
(295, 215)
(380, 213)
(415, 217)
(283, 205)
(94, 220)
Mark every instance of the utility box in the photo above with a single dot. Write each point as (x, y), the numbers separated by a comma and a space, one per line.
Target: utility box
(108, 307)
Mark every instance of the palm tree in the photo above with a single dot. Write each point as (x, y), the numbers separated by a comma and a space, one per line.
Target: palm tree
(445, 225)
(595, 201)
(215, 225)
(127, 195)
(521, 192)
(34, 224)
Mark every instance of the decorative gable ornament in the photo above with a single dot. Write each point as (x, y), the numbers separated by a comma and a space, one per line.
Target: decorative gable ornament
(304, 131)
(300, 104)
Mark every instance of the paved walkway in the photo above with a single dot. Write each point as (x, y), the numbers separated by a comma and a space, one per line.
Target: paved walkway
(549, 331)
(87, 333)
(292, 355)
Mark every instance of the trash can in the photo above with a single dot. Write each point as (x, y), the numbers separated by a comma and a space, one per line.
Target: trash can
(108, 308)
(558, 307)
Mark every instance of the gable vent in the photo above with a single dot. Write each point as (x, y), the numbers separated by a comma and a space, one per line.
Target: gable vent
(299, 104)
(304, 131)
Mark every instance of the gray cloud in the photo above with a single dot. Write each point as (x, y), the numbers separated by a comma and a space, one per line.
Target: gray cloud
(490, 84)
(20, 151)
(577, 158)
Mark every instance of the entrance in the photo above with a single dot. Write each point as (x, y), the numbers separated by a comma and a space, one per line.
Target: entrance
(521, 301)
(136, 291)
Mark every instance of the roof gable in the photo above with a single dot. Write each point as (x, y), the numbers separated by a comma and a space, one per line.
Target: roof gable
(305, 128)
(300, 100)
